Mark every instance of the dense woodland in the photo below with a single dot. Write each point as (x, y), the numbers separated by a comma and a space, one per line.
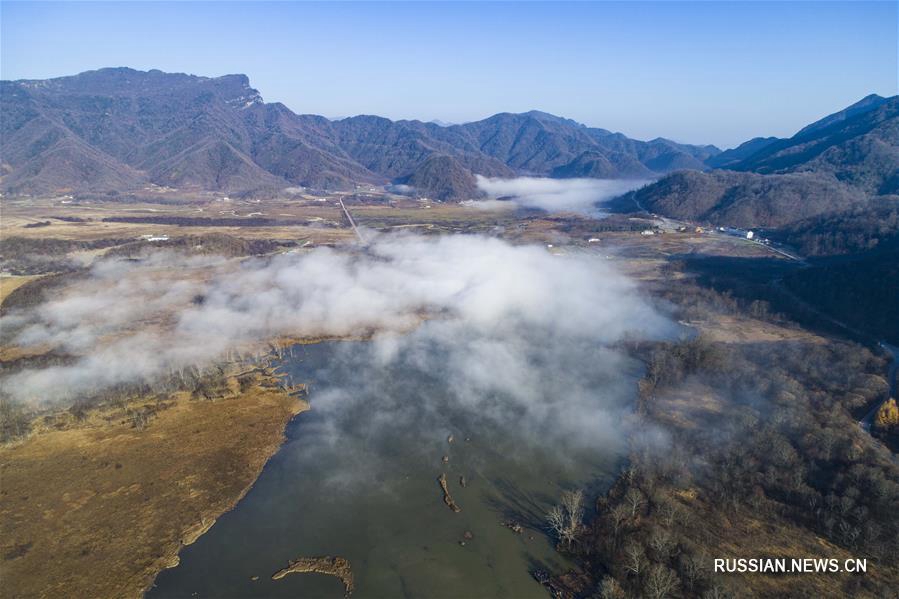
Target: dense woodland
(784, 449)
(747, 200)
(862, 292)
(874, 225)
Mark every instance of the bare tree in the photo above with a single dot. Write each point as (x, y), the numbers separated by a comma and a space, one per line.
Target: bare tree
(660, 582)
(661, 542)
(634, 558)
(619, 516)
(610, 589)
(692, 567)
(566, 519)
(573, 502)
(556, 517)
(634, 499)
(670, 513)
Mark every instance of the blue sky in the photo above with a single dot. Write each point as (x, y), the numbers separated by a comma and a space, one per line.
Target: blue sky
(702, 72)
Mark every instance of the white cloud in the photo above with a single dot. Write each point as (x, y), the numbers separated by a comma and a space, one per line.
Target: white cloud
(511, 329)
(555, 195)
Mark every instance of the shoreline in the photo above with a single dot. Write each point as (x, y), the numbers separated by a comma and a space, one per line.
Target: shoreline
(102, 489)
(172, 557)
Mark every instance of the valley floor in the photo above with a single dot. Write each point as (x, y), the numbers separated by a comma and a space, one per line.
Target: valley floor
(97, 504)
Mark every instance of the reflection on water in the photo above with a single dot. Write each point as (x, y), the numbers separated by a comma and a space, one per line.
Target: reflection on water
(358, 478)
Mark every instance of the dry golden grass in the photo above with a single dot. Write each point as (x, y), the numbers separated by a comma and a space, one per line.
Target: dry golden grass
(689, 407)
(10, 283)
(9, 353)
(738, 329)
(97, 510)
(325, 224)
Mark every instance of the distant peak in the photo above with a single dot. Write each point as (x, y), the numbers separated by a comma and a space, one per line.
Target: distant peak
(238, 78)
(238, 91)
(866, 104)
(540, 113)
(870, 98)
(120, 70)
(547, 116)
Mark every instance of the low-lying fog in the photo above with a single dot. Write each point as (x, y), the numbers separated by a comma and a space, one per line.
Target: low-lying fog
(515, 322)
(583, 196)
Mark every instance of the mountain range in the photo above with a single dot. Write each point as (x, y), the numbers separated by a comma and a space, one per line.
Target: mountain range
(119, 129)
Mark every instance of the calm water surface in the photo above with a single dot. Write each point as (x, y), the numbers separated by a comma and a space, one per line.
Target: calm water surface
(357, 478)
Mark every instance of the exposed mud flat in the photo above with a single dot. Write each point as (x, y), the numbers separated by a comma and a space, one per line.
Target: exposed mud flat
(447, 498)
(332, 566)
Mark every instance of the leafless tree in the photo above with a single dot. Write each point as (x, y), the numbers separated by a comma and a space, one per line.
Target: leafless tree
(634, 499)
(692, 567)
(670, 513)
(610, 589)
(566, 519)
(660, 541)
(634, 558)
(573, 502)
(619, 515)
(556, 517)
(660, 582)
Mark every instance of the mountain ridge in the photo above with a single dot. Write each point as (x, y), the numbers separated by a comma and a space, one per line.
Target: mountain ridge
(835, 164)
(119, 128)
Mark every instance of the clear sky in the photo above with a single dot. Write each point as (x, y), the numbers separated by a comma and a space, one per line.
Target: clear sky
(702, 72)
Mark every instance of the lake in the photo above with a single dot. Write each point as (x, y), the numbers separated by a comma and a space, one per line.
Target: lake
(357, 478)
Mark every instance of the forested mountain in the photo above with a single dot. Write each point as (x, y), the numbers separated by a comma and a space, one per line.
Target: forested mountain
(853, 264)
(870, 226)
(118, 129)
(744, 199)
(839, 162)
(858, 146)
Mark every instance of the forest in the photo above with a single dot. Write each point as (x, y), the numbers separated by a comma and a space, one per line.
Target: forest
(767, 454)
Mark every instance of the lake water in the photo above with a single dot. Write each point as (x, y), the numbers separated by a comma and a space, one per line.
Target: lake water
(357, 478)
